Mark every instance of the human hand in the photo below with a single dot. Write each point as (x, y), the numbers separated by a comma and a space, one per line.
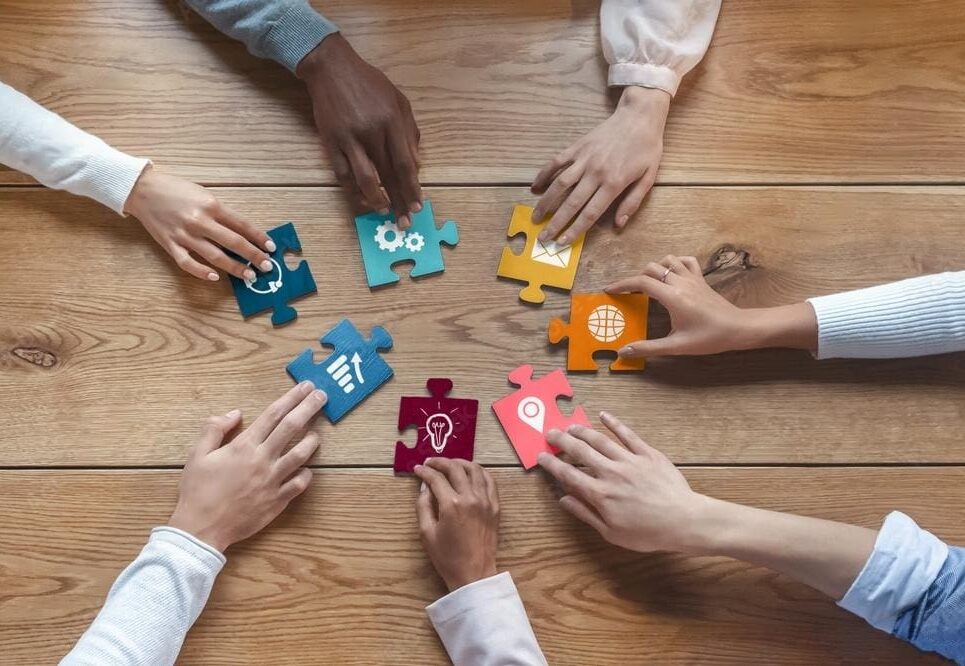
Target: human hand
(367, 127)
(186, 219)
(628, 492)
(704, 322)
(231, 491)
(618, 157)
(460, 533)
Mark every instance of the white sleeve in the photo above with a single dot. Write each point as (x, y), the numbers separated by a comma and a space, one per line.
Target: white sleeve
(898, 573)
(43, 145)
(152, 604)
(484, 624)
(916, 317)
(654, 43)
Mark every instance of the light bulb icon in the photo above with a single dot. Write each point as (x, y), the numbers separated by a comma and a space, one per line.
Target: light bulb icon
(439, 427)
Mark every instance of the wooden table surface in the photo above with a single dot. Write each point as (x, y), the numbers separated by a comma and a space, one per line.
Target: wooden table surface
(819, 147)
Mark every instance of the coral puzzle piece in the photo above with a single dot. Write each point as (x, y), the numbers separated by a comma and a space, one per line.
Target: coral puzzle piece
(351, 373)
(602, 322)
(274, 289)
(540, 264)
(383, 244)
(446, 427)
(529, 413)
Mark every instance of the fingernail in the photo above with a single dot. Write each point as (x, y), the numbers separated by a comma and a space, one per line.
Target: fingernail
(265, 265)
(383, 211)
(422, 488)
(415, 207)
(403, 220)
(306, 385)
(574, 427)
(541, 458)
(249, 275)
(233, 413)
(270, 246)
(624, 350)
(623, 220)
(320, 395)
(213, 277)
(604, 415)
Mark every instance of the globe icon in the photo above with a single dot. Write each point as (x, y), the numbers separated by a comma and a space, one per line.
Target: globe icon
(606, 323)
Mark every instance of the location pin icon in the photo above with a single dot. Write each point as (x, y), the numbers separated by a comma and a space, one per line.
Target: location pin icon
(532, 412)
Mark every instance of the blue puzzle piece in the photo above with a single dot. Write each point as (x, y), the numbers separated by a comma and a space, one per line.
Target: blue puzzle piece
(274, 289)
(384, 244)
(351, 373)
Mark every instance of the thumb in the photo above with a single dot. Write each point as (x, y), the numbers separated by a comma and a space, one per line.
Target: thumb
(671, 345)
(214, 430)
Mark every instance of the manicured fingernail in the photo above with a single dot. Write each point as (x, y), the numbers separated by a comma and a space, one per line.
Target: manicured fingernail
(623, 220)
(415, 207)
(213, 277)
(265, 265)
(320, 395)
(249, 274)
(233, 413)
(306, 385)
(423, 487)
(270, 246)
(624, 351)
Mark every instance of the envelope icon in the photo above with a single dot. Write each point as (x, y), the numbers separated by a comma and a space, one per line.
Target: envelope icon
(551, 253)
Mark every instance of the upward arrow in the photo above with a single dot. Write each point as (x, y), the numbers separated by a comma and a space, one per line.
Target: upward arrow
(357, 362)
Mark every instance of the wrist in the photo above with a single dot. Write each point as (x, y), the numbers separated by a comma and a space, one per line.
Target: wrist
(791, 326)
(645, 100)
(461, 579)
(711, 527)
(193, 525)
(330, 52)
(137, 195)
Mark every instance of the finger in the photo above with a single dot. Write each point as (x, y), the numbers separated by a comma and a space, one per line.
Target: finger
(573, 480)
(277, 410)
(477, 478)
(437, 482)
(583, 511)
(294, 423)
(625, 434)
(296, 485)
(674, 344)
(692, 265)
(343, 175)
(491, 490)
(557, 191)
(424, 512)
(187, 263)
(296, 457)
(247, 230)
(643, 284)
(455, 470)
(366, 178)
(213, 432)
(599, 442)
(390, 183)
(660, 272)
(548, 172)
(217, 258)
(230, 240)
(632, 200)
(591, 212)
(568, 210)
(577, 450)
(406, 170)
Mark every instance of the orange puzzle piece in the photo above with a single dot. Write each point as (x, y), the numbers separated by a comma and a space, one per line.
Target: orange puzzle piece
(540, 263)
(602, 322)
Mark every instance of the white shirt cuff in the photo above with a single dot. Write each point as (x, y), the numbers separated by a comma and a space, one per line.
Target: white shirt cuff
(902, 567)
(644, 75)
(113, 175)
(209, 556)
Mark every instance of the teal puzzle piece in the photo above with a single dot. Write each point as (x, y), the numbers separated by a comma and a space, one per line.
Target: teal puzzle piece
(383, 244)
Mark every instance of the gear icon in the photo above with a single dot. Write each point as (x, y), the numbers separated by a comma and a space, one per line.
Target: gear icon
(414, 241)
(382, 236)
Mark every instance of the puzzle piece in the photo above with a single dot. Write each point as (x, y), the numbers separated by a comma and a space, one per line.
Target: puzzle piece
(602, 322)
(349, 374)
(274, 289)
(383, 244)
(446, 426)
(540, 264)
(529, 413)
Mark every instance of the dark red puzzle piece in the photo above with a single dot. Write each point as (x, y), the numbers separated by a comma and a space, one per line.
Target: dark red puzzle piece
(446, 427)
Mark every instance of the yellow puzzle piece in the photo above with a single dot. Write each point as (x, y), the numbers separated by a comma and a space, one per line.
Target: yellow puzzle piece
(540, 264)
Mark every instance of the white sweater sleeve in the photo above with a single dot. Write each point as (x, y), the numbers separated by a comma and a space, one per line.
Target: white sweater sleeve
(916, 317)
(654, 43)
(43, 145)
(152, 604)
(484, 624)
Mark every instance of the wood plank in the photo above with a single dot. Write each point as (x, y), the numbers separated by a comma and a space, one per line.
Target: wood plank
(799, 91)
(140, 352)
(341, 578)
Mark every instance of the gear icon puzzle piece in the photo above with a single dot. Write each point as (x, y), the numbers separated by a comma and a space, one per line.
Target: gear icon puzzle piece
(384, 244)
(601, 322)
(349, 374)
(446, 427)
(273, 289)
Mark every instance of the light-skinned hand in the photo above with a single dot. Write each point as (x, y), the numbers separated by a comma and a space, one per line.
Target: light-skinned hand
(704, 322)
(367, 127)
(192, 226)
(619, 157)
(230, 491)
(458, 511)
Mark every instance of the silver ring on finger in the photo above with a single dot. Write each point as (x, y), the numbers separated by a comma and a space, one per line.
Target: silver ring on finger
(663, 278)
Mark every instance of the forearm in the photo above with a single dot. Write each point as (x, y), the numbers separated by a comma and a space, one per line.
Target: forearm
(152, 604)
(59, 155)
(823, 554)
(282, 30)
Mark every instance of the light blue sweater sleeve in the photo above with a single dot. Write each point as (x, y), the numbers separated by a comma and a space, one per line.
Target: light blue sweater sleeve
(916, 317)
(282, 30)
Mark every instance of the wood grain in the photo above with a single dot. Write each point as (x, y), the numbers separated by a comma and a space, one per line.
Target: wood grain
(342, 579)
(110, 356)
(791, 91)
